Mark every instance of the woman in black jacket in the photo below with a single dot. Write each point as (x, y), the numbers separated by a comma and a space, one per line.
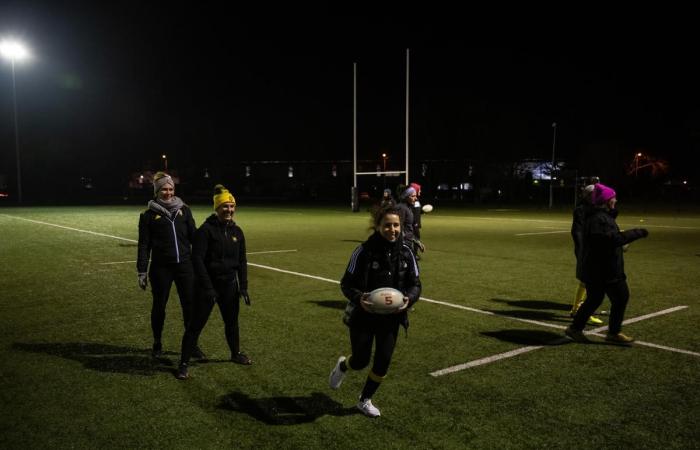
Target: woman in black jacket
(221, 268)
(166, 229)
(384, 260)
(603, 266)
(579, 219)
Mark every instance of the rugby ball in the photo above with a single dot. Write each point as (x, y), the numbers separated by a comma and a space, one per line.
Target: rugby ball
(427, 208)
(385, 300)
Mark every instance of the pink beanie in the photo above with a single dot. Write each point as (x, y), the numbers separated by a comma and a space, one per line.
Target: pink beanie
(602, 193)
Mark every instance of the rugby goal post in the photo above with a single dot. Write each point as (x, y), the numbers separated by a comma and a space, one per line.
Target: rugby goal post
(354, 195)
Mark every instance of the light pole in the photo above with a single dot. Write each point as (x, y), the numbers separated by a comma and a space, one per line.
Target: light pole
(15, 51)
(636, 163)
(551, 175)
(165, 161)
(384, 158)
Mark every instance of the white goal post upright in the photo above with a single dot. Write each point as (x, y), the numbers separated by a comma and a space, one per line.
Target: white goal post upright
(355, 173)
(406, 176)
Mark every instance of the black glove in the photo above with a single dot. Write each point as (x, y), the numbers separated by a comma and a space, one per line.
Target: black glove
(643, 232)
(143, 280)
(246, 297)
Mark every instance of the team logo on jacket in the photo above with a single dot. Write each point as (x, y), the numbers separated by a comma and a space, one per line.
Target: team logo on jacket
(234, 238)
(405, 264)
(375, 265)
(157, 216)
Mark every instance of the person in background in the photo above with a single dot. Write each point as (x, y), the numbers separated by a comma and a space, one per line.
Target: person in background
(577, 224)
(417, 213)
(383, 260)
(221, 268)
(387, 199)
(603, 267)
(166, 230)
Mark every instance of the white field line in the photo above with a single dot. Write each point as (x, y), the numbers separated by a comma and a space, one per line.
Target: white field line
(535, 322)
(275, 269)
(543, 232)
(271, 251)
(247, 253)
(69, 228)
(562, 340)
(624, 222)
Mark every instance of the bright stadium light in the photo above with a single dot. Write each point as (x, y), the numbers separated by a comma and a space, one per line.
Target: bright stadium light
(15, 51)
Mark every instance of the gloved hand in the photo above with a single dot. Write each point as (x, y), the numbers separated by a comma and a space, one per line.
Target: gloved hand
(246, 297)
(643, 232)
(143, 280)
(210, 295)
(420, 245)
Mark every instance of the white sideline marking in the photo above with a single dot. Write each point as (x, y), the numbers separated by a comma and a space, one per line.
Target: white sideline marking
(529, 348)
(247, 253)
(622, 222)
(543, 232)
(490, 313)
(482, 361)
(270, 251)
(69, 228)
(491, 359)
(294, 273)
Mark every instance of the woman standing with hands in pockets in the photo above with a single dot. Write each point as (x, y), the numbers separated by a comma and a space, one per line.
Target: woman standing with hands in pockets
(384, 260)
(221, 268)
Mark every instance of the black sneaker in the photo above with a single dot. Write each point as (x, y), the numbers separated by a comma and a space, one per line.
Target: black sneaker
(157, 350)
(241, 358)
(197, 353)
(182, 372)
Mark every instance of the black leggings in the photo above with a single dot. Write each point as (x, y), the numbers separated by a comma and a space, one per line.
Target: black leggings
(618, 293)
(162, 277)
(229, 305)
(361, 342)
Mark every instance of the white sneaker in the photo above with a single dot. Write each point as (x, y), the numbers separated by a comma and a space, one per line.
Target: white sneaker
(337, 375)
(367, 408)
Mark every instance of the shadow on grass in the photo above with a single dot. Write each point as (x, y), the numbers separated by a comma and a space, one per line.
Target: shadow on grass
(335, 304)
(534, 304)
(285, 410)
(528, 337)
(124, 244)
(104, 357)
(535, 310)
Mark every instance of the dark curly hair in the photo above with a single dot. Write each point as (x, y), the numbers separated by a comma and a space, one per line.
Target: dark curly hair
(378, 212)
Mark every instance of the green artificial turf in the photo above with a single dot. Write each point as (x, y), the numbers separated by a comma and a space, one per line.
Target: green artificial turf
(75, 339)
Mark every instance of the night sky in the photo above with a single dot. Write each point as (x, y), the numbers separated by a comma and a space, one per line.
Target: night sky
(112, 88)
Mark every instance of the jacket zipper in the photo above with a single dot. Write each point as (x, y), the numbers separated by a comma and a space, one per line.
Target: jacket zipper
(177, 249)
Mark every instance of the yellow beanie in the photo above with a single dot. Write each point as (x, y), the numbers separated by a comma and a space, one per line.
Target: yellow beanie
(222, 195)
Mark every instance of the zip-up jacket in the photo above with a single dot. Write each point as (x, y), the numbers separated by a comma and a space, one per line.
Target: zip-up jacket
(407, 219)
(218, 253)
(602, 260)
(577, 229)
(379, 263)
(164, 240)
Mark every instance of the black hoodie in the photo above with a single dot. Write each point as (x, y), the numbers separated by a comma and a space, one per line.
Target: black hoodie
(218, 253)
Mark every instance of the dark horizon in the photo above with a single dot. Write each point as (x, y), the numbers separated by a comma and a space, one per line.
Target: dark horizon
(114, 87)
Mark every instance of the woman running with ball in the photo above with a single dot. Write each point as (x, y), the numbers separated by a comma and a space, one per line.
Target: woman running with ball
(384, 260)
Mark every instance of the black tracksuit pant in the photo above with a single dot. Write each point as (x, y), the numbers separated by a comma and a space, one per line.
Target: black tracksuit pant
(361, 339)
(618, 293)
(162, 277)
(227, 297)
